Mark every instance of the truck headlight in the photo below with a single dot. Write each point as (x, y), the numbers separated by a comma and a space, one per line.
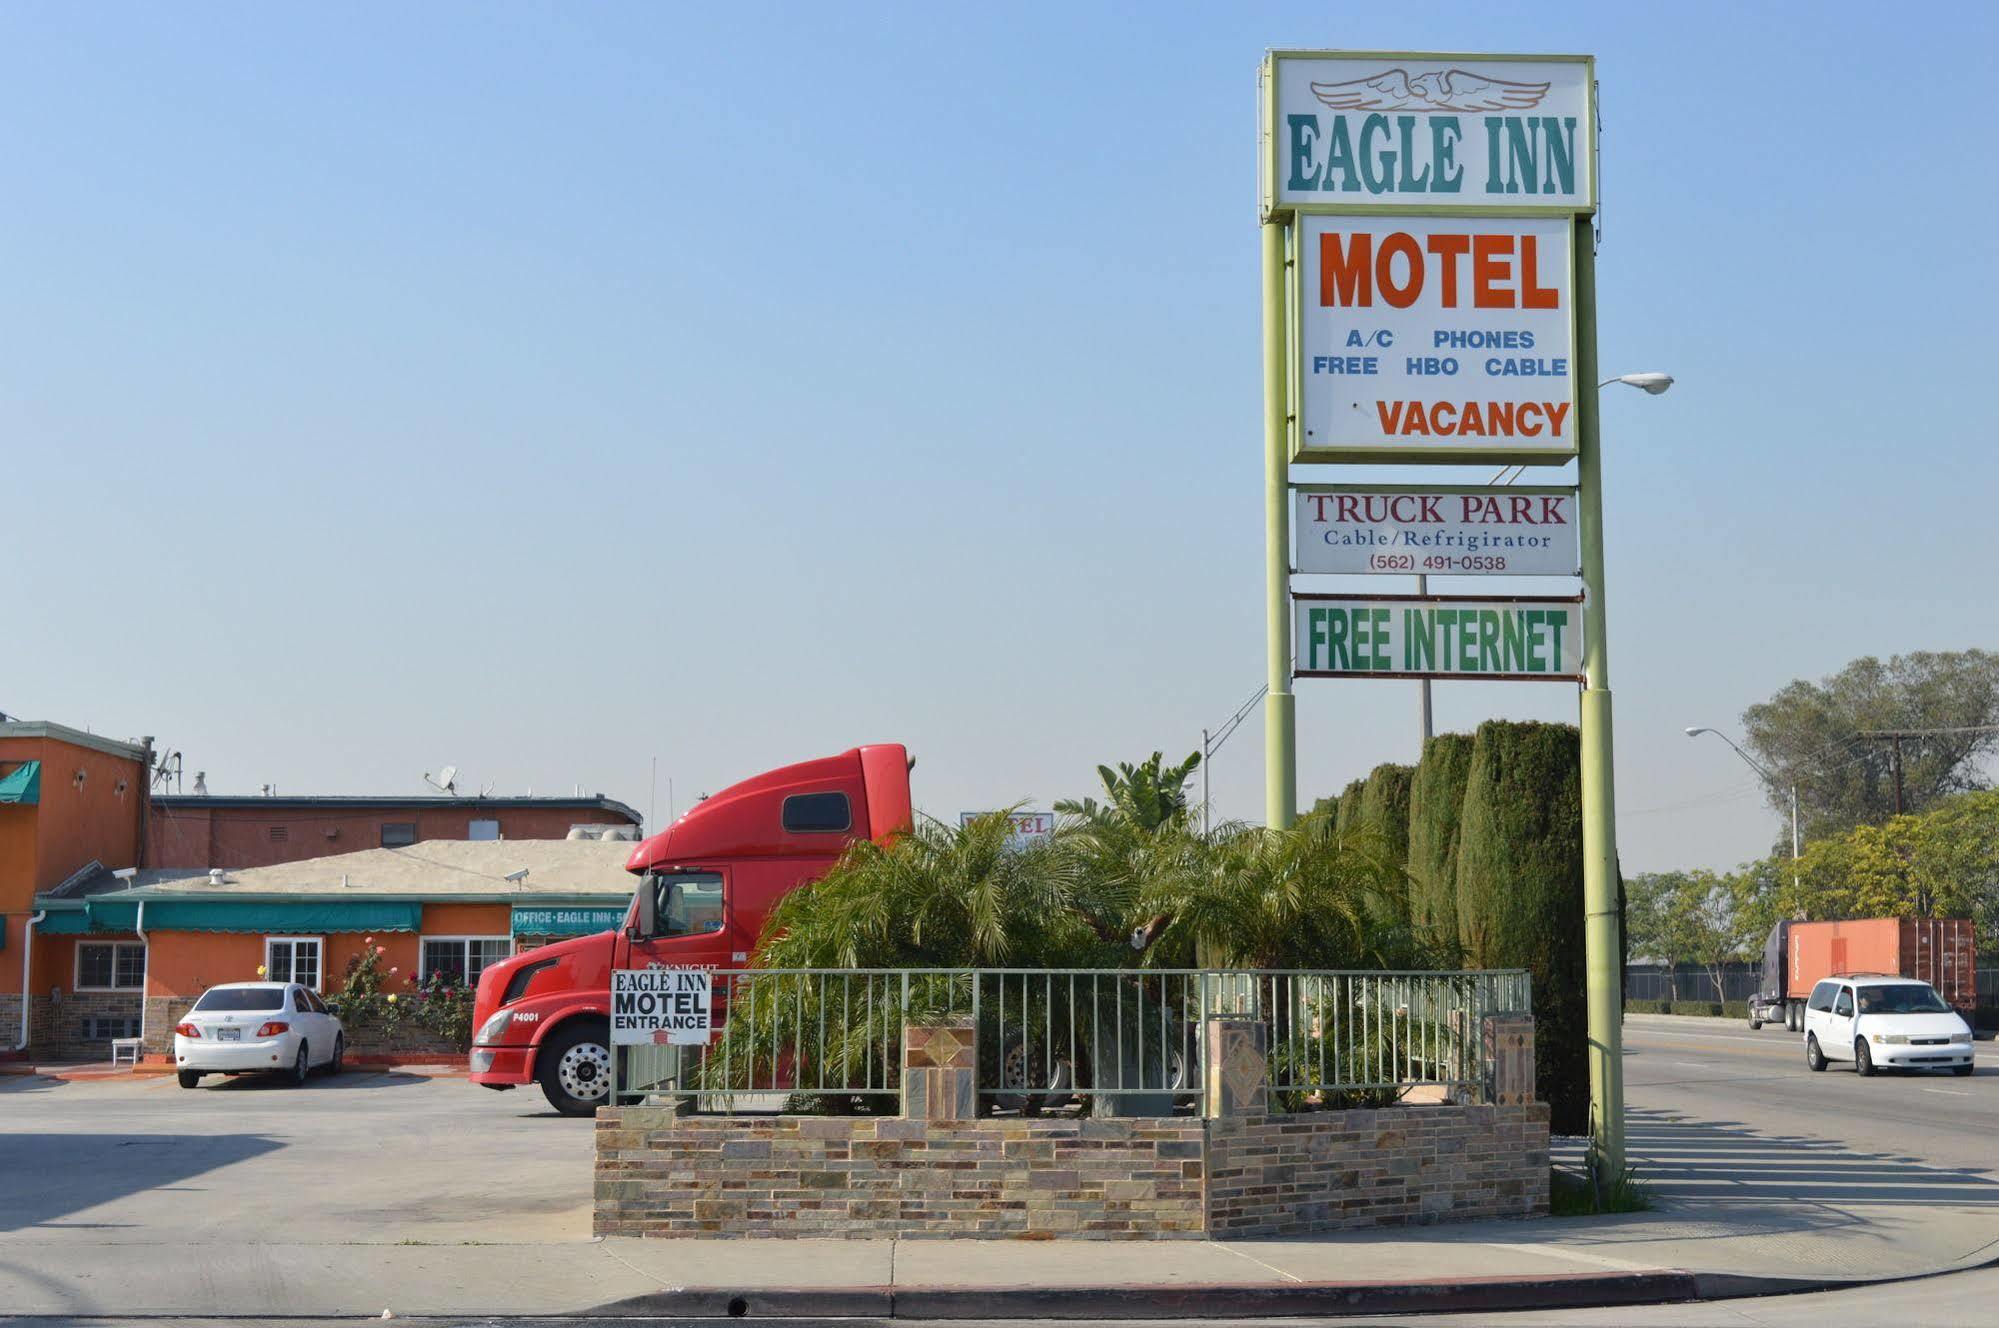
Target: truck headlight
(495, 1027)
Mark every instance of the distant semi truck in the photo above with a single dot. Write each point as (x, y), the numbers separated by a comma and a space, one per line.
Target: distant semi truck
(1798, 955)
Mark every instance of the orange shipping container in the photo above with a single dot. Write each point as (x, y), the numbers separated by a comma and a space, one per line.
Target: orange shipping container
(1938, 951)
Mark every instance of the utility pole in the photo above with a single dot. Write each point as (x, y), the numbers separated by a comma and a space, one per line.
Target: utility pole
(1429, 729)
(1895, 738)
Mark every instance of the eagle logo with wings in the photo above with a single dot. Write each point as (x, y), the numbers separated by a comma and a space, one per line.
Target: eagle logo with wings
(1437, 90)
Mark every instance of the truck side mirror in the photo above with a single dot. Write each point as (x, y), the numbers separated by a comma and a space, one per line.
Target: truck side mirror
(645, 916)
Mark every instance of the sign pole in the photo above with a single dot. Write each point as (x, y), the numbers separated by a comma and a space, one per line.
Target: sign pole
(1602, 933)
(1280, 708)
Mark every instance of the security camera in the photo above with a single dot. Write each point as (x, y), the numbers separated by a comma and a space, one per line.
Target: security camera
(517, 876)
(126, 873)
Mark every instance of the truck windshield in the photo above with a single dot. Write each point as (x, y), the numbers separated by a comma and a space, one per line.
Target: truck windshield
(1901, 999)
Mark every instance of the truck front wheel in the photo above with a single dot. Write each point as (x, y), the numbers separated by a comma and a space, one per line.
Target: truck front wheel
(574, 1067)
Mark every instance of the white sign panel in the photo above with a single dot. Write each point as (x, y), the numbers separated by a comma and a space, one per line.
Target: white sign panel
(1352, 129)
(1437, 532)
(663, 1006)
(1437, 636)
(1435, 339)
(1028, 827)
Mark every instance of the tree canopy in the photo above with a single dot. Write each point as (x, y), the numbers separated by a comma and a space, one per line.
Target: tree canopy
(1809, 734)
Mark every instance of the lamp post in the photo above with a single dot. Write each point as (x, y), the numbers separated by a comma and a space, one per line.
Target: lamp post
(1603, 951)
(1757, 766)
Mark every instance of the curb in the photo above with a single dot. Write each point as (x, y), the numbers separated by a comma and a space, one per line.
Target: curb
(1260, 1301)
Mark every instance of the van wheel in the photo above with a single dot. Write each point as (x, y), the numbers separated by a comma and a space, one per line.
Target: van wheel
(1863, 1059)
(1814, 1058)
(574, 1067)
(189, 1079)
(1961, 1070)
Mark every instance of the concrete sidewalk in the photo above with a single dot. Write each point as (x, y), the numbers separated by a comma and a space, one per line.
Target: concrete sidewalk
(1546, 1262)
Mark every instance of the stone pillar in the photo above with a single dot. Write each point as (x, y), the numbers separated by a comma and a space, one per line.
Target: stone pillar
(940, 1070)
(1509, 1058)
(1238, 1067)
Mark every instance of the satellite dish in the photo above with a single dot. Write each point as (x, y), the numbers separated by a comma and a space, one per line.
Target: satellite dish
(446, 781)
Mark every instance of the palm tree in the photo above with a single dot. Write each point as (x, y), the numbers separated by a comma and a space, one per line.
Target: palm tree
(1148, 795)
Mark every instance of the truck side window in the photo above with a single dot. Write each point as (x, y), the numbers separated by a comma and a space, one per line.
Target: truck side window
(817, 814)
(689, 903)
(1844, 1005)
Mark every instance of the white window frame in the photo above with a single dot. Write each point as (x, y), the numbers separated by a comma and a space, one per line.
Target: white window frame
(465, 949)
(76, 975)
(291, 979)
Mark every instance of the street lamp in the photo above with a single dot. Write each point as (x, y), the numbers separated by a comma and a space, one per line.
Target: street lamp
(1652, 384)
(1753, 764)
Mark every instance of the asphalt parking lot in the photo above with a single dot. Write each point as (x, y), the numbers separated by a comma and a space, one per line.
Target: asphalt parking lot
(358, 1158)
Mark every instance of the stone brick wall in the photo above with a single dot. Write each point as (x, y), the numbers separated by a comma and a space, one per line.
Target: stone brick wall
(407, 1043)
(1394, 1166)
(939, 1171)
(10, 1021)
(58, 1027)
(862, 1178)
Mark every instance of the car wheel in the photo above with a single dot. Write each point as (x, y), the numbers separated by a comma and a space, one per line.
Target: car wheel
(575, 1068)
(339, 1053)
(1863, 1060)
(1814, 1057)
(301, 1067)
(1961, 1070)
(189, 1079)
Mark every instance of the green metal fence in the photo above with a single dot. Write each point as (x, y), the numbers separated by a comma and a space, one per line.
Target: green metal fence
(1122, 1041)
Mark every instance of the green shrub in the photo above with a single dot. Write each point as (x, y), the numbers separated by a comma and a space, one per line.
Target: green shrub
(1648, 1007)
(1520, 893)
(1383, 811)
(1712, 1008)
(1436, 807)
(1735, 1010)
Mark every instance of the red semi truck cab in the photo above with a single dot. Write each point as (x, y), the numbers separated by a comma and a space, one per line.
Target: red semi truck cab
(543, 1017)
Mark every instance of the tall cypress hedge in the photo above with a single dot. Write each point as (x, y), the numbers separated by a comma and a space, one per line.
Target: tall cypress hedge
(1436, 803)
(1349, 806)
(1383, 810)
(1520, 892)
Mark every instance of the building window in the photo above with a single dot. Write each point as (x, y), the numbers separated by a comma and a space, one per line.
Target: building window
(817, 814)
(398, 834)
(102, 1028)
(461, 959)
(110, 965)
(280, 833)
(292, 959)
(483, 830)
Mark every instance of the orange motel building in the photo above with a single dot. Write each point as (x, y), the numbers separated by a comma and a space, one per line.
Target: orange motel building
(119, 907)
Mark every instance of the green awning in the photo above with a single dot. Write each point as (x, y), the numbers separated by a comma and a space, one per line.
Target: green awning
(67, 922)
(22, 784)
(574, 920)
(307, 917)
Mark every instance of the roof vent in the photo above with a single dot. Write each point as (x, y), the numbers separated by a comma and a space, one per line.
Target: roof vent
(625, 834)
(581, 832)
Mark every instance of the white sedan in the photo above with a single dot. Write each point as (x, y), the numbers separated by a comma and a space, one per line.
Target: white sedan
(248, 1027)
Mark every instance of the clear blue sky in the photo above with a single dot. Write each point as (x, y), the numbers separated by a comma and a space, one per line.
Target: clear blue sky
(548, 388)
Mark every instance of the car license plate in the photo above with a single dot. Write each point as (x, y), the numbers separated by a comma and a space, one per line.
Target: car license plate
(229, 1034)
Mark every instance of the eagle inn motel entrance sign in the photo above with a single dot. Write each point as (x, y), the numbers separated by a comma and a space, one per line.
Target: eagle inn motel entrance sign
(1429, 298)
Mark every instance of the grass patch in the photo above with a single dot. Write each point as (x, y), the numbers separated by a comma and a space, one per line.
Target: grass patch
(1574, 1196)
